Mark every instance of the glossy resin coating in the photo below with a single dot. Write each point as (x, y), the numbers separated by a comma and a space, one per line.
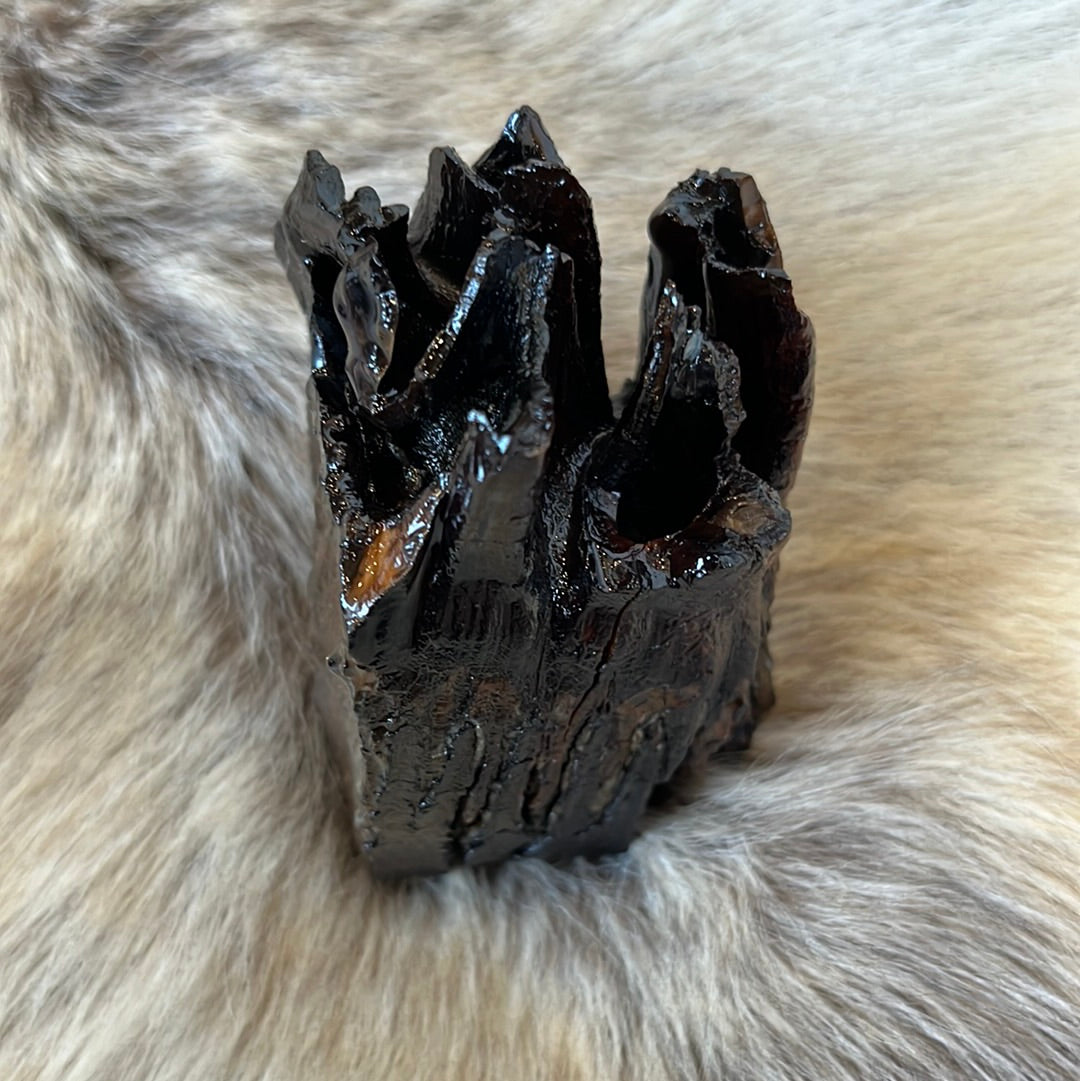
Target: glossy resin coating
(548, 609)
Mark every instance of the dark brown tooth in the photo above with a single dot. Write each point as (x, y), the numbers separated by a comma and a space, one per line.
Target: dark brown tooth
(544, 612)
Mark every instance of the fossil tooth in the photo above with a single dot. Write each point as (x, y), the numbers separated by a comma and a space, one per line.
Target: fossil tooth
(544, 611)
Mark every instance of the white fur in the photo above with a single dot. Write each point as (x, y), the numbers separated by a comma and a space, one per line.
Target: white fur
(888, 887)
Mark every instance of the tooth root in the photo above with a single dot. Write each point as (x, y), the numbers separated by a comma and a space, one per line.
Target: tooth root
(452, 215)
(495, 417)
(754, 312)
(367, 309)
(310, 223)
(573, 370)
(662, 460)
(713, 237)
(404, 299)
(541, 199)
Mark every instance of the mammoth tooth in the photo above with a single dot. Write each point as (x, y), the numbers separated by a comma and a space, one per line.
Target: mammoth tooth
(543, 611)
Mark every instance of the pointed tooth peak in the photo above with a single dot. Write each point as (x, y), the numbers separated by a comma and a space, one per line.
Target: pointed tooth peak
(451, 215)
(525, 128)
(323, 181)
(524, 139)
(366, 207)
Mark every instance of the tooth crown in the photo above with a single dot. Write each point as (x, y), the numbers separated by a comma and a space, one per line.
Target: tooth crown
(549, 611)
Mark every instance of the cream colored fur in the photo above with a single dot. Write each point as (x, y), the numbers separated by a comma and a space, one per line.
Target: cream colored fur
(888, 887)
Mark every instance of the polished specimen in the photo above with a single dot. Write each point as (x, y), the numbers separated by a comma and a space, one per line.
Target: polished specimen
(551, 606)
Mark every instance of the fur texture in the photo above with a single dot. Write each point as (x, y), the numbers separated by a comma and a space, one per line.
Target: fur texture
(888, 887)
